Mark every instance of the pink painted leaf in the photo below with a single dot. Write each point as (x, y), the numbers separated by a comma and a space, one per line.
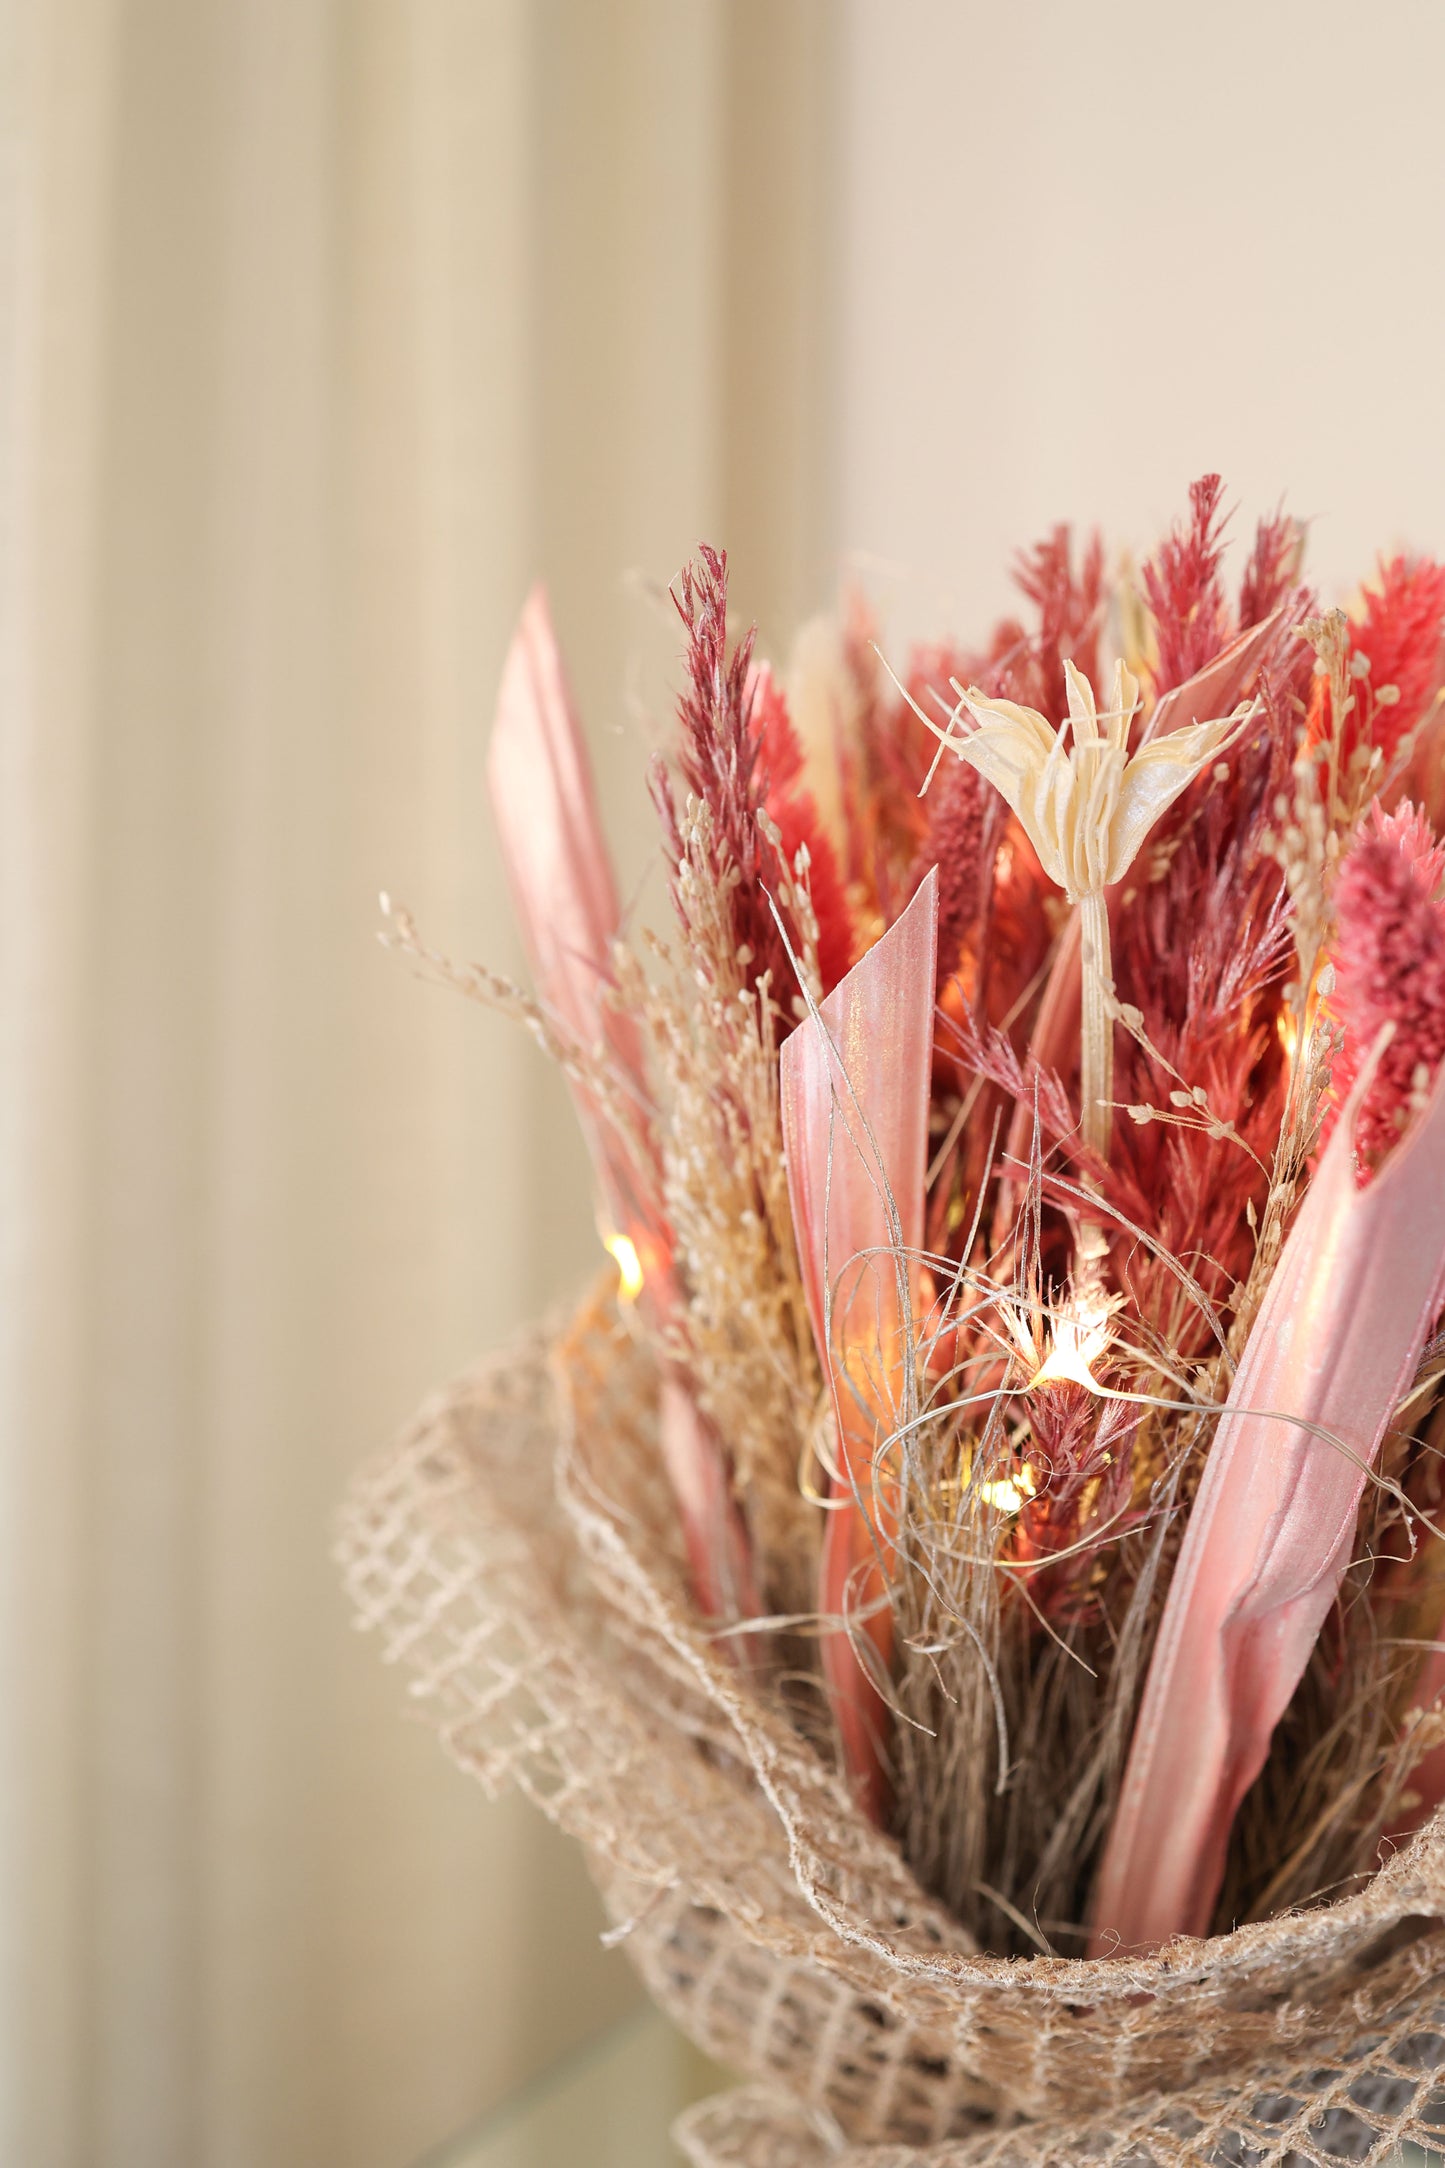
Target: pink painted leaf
(718, 1554)
(565, 899)
(560, 875)
(1354, 1296)
(855, 1092)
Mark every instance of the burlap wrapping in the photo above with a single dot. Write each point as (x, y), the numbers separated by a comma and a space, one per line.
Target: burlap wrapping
(517, 1553)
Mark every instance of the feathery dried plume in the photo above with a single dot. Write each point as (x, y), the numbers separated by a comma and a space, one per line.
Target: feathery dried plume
(964, 829)
(1184, 589)
(721, 759)
(1071, 605)
(797, 830)
(1080, 1487)
(742, 1327)
(1273, 568)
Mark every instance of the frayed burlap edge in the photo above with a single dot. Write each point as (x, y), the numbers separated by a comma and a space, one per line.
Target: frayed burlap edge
(516, 1553)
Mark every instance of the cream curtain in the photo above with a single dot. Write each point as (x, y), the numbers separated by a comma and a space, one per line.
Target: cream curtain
(327, 323)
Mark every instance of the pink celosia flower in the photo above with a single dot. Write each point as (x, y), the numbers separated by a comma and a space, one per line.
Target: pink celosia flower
(1397, 651)
(1400, 634)
(1390, 970)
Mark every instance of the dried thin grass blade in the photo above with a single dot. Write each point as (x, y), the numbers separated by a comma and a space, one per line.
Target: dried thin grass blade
(1332, 1351)
(855, 1095)
(565, 900)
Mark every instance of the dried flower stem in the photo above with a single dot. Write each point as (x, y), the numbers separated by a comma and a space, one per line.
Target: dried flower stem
(1097, 1041)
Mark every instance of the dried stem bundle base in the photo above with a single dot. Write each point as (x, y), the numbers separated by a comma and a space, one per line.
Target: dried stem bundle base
(515, 1555)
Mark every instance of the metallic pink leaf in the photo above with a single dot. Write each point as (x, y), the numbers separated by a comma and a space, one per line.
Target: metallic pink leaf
(855, 1093)
(560, 875)
(718, 1553)
(565, 899)
(1356, 1291)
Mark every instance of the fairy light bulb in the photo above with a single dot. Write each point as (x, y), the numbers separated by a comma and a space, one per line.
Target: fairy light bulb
(623, 1252)
(1010, 1494)
(1077, 1344)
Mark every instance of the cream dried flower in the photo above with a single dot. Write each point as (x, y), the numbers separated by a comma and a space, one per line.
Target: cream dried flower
(1086, 807)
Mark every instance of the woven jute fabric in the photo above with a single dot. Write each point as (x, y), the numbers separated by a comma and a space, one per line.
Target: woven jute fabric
(516, 1553)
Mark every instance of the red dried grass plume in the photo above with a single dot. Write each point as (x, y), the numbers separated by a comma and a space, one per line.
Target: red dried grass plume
(1080, 1459)
(965, 819)
(792, 806)
(1071, 608)
(1390, 969)
(723, 758)
(1183, 588)
(1272, 570)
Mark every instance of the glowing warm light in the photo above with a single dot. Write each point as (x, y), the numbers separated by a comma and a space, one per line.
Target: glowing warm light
(1078, 1342)
(1009, 1494)
(623, 1251)
(1288, 1035)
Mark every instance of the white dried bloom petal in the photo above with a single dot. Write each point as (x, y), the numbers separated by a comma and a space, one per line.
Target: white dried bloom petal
(1087, 806)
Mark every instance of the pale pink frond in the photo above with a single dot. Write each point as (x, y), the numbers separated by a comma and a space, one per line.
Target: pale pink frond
(1333, 1350)
(565, 898)
(855, 1095)
(718, 1554)
(546, 812)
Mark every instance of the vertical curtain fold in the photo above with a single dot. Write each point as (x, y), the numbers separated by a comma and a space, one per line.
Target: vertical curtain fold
(328, 323)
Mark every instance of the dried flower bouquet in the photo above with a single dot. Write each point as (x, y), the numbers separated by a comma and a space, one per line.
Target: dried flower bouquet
(985, 1624)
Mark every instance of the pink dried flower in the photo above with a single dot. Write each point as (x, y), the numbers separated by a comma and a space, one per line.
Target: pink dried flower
(1396, 649)
(1389, 969)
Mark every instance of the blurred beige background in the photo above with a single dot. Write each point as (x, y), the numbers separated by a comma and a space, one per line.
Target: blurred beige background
(326, 325)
